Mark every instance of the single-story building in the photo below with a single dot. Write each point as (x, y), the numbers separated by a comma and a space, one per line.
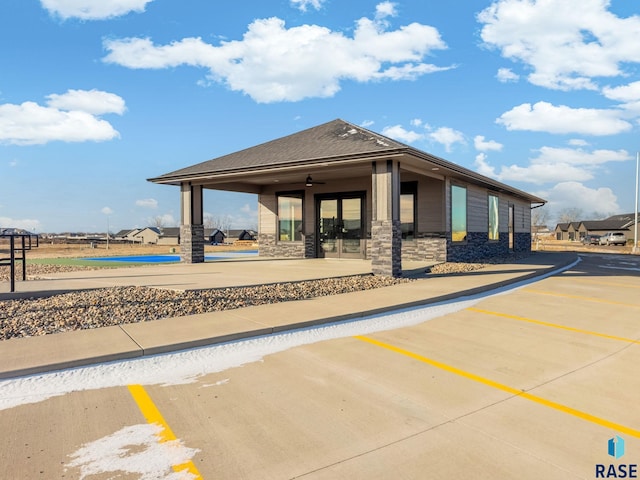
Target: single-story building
(217, 236)
(147, 235)
(567, 231)
(576, 231)
(341, 191)
(600, 227)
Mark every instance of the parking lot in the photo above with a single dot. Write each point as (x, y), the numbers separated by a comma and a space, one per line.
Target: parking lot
(530, 383)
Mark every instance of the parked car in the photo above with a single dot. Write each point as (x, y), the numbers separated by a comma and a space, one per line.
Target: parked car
(613, 238)
(591, 240)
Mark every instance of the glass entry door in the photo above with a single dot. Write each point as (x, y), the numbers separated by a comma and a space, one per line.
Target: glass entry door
(340, 226)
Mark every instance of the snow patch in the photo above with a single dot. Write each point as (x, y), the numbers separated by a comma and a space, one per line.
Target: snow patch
(134, 449)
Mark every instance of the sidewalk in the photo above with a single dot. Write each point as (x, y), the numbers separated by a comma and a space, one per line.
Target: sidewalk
(25, 356)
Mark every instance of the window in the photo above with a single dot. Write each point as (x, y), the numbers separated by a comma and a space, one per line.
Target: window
(290, 217)
(494, 234)
(408, 191)
(458, 213)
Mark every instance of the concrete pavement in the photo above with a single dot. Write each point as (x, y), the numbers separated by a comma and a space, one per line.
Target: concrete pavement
(24, 356)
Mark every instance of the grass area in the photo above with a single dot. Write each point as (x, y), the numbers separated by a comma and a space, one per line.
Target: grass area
(81, 262)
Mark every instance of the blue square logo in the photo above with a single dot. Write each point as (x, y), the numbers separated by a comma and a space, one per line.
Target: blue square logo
(616, 447)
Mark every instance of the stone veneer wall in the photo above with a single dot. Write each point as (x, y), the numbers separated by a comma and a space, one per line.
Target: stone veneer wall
(192, 243)
(310, 246)
(386, 248)
(268, 247)
(522, 242)
(478, 247)
(426, 246)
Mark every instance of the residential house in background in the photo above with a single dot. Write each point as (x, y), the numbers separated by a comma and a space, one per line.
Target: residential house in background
(217, 237)
(576, 231)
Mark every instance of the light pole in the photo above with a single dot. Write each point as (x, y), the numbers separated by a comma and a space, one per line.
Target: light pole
(107, 232)
(635, 226)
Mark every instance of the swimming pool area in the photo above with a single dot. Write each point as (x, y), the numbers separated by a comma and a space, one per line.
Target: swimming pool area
(173, 258)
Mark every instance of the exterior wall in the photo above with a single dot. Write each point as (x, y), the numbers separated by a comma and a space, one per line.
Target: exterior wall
(430, 248)
(147, 236)
(269, 246)
(477, 245)
(168, 241)
(429, 243)
(433, 222)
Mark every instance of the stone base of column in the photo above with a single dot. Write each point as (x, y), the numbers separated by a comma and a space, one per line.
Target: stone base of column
(386, 248)
(192, 243)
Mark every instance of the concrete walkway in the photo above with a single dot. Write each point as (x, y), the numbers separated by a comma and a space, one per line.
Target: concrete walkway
(25, 356)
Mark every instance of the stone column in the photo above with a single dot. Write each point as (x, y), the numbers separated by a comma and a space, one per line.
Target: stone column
(386, 235)
(191, 227)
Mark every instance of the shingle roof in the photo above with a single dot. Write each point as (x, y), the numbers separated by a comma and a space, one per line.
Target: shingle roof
(607, 224)
(336, 139)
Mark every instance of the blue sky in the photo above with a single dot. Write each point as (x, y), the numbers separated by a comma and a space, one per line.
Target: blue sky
(96, 96)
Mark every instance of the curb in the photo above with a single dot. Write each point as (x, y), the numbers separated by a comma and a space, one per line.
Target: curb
(131, 349)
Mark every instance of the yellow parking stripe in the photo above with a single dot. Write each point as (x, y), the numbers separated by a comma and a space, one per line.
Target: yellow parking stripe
(578, 297)
(505, 388)
(153, 416)
(553, 325)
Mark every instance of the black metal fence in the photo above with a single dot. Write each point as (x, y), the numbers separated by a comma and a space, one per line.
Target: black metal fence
(15, 243)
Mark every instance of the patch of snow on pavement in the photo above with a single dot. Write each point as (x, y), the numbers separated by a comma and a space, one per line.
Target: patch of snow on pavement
(133, 449)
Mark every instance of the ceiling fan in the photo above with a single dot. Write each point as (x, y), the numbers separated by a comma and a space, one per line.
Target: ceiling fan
(309, 182)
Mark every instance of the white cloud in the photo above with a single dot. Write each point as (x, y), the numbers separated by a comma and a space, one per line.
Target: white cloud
(572, 194)
(303, 4)
(29, 224)
(623, 93)
(550, 155)
(545, 117)
(566, 43)
(554, 165)
(94, 102)
(483, 145)
(93, 9)
(483, 167)
(578, 142)
(273, 63)
(447, 137)
(385, 9)
(367, 123)
(70, 117)
(107, 210)
(398, 132)
(147, 203)
(628, 94)
(505, 75)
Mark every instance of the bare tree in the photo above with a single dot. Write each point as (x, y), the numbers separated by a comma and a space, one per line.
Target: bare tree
(158, 222)
(569, 215)
(209, 221)
(221, 222)
(539, 218)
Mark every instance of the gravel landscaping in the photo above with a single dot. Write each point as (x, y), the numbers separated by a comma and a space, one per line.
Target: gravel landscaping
(120, 305)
